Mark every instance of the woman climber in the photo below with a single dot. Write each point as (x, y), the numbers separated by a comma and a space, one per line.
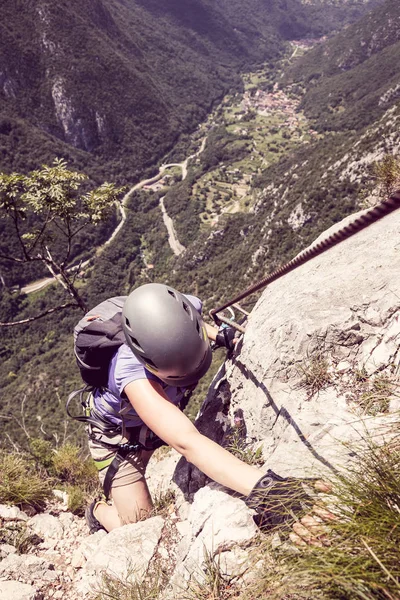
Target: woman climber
(167, 351)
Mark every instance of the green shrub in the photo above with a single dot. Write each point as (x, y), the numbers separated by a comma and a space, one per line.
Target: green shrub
(77, 500)
(42, 451)
(71, 468)
(20, 483)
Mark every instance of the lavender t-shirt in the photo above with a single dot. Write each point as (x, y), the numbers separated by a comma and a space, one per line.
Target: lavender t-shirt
(126, 368)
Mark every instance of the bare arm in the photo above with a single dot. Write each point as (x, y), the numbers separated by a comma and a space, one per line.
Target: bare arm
(172, 426)
(211, 332)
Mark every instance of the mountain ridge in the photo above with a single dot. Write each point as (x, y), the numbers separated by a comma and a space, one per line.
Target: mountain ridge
(111, 84)
(311, 182)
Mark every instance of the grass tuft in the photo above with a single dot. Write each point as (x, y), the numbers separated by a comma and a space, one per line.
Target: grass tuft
(163, 504)
(376, 399)
(315, 375)
(213, 584)
(237, 445)
(116, 588)
(361, 558)
(21, 484)
(28, 479)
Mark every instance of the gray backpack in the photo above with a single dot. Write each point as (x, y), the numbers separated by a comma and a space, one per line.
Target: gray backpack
(96, 338)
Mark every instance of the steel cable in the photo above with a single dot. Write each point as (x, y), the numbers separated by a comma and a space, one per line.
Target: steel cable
(365, 220)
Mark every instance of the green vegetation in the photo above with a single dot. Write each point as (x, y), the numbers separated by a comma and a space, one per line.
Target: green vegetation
(163, 504)
(387, 173)
(212, 584)
(68, 466)
(373, 395)
(110, 86)
(352, 80)
(114, 588)
(21, 484)
(237, 445)
(28, 478)
(315, 374)
(46, 211)
(361, 558)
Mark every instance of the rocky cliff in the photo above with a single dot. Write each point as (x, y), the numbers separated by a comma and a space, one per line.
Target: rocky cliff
(315, 376)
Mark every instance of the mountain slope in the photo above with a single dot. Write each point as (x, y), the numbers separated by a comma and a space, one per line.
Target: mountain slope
(110, 84)
(320, 181)
(353, 78)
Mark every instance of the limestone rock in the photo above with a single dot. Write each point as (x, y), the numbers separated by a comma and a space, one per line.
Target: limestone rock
(14, 590)
(78, 559)
(342, 307)
(26, 568)
(90, 545)
(12, 513)
(63, 497)
(46, 526)
(7, 549)
(159, 477)
(234, 563)
(219, 523)
(125, 552)
(159, 473)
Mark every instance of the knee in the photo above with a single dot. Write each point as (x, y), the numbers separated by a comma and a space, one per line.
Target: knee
(134, 514)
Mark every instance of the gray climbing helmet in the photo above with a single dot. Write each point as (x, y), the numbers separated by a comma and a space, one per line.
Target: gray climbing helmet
(167, 334)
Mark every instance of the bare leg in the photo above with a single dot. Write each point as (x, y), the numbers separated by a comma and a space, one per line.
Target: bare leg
(107, 515)
(131, 503)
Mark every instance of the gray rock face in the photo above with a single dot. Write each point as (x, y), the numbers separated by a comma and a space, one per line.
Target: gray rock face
(46, 526)
(27, 568)
(123, 553)
(336, 317)
(217, 525)
(13, 590)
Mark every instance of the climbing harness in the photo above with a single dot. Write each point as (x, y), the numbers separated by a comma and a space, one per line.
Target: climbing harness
(139, 438)
(370, 216)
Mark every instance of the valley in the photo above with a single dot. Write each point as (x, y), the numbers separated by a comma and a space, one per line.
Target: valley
(270, 178)
(202, 145)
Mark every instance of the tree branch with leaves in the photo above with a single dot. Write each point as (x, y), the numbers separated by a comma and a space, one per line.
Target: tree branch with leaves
(52, 199)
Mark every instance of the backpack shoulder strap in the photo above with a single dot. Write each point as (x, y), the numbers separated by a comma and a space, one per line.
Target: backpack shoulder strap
(104, 311)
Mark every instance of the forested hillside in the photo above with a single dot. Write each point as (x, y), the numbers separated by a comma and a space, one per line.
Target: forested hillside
(353, 78)
(111, 84)
(266, 184)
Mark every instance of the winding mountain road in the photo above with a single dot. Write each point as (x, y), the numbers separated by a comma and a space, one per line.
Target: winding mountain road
(174, 243)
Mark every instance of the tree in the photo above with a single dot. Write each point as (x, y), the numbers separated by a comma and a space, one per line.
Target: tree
(46, 210)
(387, 175)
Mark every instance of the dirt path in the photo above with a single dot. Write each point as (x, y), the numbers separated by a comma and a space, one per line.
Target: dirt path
(173, 241)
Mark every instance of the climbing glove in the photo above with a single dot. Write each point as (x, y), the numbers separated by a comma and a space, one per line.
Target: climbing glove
(225, 338)
(277, 499)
